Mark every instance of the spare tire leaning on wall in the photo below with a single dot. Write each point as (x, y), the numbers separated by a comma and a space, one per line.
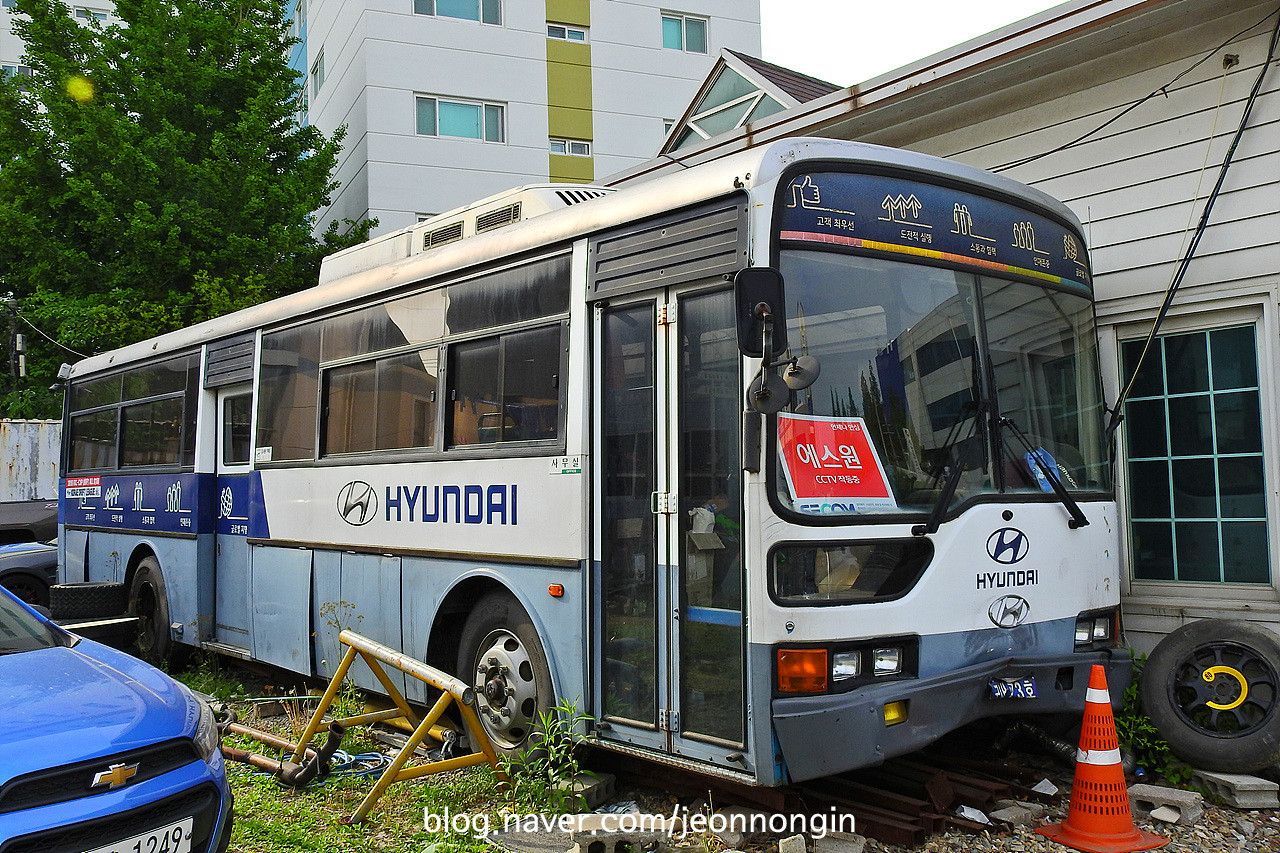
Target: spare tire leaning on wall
(1212, 689)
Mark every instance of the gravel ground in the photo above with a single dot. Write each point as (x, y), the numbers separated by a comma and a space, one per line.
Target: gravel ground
(1220, 830)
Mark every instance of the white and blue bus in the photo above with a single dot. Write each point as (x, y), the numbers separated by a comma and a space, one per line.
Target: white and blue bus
(535, 442)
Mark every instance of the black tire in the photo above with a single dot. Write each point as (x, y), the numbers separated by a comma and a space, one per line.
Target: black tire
(87, 600)
(501, 656)
(1231, 722)
(148, 602)
(29, 588)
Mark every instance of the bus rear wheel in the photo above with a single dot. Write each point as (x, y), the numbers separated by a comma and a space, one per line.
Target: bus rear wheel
(148, 602)
(501, 656)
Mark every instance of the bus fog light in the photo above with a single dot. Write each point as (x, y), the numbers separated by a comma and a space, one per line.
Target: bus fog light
(888, 661)
(846, 665)
(895, 712)
(802, 670)
(1102, 628)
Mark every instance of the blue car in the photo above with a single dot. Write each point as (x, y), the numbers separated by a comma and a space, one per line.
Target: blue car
(100, 752)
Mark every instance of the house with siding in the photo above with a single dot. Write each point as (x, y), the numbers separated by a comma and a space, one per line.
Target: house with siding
(1125, 110)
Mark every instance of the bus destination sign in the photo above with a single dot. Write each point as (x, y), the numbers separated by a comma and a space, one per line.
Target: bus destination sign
(900, 216)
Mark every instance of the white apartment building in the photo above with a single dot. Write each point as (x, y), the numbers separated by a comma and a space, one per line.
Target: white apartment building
(447, 101)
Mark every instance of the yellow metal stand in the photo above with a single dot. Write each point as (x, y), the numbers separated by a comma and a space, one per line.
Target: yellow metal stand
(451, 690)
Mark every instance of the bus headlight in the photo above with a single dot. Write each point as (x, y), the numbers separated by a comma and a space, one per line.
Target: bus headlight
(1096, 628)
(846, 665)
(888, 661)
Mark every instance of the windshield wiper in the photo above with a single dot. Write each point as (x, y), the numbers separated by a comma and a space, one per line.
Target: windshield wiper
(944, 500)
(1050, 475)
(954, 472)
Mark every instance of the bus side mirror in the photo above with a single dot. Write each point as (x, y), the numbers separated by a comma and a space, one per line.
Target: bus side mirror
(758, 301)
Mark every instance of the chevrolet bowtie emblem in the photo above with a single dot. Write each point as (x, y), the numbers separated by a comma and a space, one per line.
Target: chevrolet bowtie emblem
(116, 776)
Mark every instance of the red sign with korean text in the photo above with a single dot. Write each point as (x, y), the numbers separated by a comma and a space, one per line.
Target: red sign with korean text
(831, 465)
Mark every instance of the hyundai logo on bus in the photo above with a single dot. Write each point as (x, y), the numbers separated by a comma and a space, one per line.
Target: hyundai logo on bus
(1008, 545)
(357, 503)
(464, 504)
(1009, 611)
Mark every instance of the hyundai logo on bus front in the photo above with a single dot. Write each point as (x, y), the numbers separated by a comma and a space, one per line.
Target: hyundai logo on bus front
(357, 503)
(1008, 545)
(1009, 611)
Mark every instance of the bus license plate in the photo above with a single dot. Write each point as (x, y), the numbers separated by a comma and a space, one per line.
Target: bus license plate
(1013, 688)
(174, 838)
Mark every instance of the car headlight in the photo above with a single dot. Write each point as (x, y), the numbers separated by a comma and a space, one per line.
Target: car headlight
(208, 740)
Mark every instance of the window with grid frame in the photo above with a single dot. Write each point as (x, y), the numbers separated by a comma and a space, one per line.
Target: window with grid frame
(684, 32)
(1193, 436)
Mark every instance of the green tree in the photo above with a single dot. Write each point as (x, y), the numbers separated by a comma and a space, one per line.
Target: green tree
(153, 175)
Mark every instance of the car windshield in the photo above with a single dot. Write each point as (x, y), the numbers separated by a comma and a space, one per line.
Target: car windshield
(22, 632)
(933, 375)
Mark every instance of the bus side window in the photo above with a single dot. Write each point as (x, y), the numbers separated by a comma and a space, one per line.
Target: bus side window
(505, 388)
(474, 386)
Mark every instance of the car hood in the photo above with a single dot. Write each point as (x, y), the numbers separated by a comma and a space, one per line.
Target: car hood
(62, 705)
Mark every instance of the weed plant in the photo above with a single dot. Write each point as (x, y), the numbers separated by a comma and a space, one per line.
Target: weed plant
(542, 774)
(1138, 734)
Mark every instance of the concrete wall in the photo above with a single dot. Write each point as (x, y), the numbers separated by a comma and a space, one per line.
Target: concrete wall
(30, 451)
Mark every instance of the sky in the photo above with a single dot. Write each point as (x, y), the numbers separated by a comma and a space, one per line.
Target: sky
(850, 41)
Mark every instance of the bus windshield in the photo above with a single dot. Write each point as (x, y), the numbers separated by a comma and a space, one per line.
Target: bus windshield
(919, 366)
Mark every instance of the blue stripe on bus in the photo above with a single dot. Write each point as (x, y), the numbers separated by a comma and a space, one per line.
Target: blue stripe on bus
(713, 616)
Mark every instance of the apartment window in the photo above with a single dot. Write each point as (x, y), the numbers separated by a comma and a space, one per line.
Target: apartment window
(299, 19)
(1193, 433)
(483, 11)
(573, 147)
(301, 107)
(317, 73)
(682, 32)
(89, 14)
(8, 4)
(563, 32)
(461, 119)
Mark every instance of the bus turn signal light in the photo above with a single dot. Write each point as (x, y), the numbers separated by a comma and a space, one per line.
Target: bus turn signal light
(556, 590)
(802, 670)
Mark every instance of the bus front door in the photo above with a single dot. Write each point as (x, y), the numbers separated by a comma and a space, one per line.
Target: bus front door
(231, 579)
(669, 615)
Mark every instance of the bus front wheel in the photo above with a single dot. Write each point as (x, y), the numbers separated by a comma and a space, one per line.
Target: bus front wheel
(150, 605)
(501, 656)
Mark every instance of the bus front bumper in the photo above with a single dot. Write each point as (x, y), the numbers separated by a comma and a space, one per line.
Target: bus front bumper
(823, 735)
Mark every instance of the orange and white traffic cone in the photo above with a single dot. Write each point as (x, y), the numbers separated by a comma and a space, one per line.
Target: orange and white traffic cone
(1098, 819)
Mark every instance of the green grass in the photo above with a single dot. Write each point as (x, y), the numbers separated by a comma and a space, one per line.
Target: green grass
(270, 818)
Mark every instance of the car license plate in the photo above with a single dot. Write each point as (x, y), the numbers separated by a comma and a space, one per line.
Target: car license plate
(174, 838)
(1013, 688)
